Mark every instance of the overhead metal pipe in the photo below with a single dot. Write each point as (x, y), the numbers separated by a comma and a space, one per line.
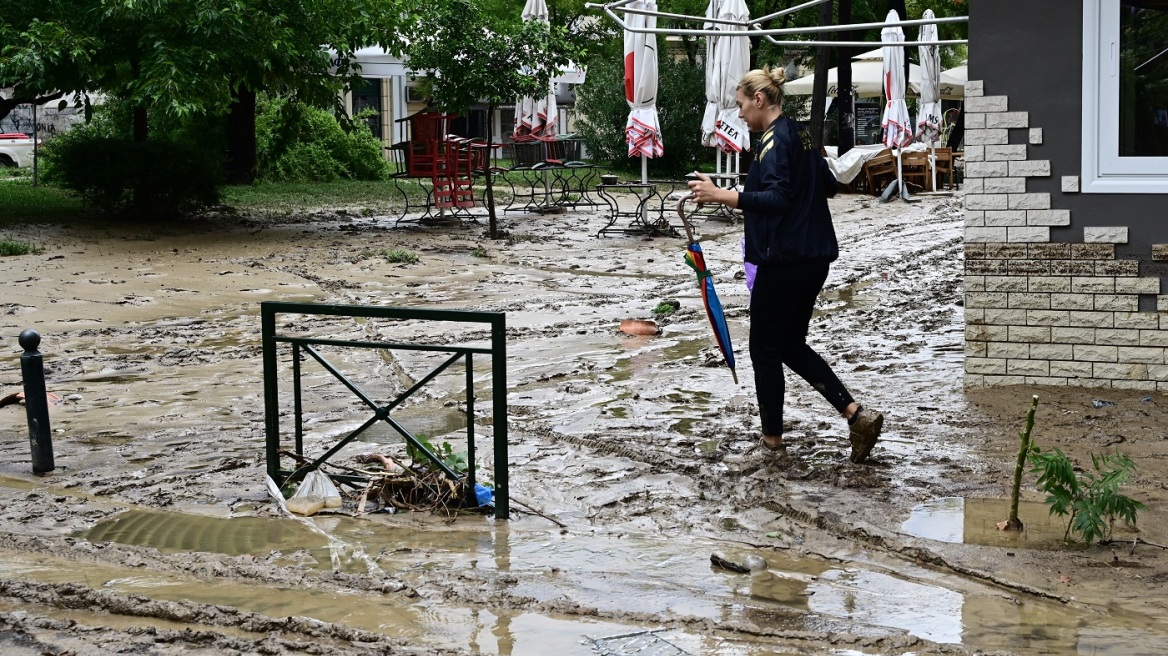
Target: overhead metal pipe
(753, 29)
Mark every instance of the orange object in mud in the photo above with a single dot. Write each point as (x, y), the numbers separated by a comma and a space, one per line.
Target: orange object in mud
(639, 327)
(17, 397)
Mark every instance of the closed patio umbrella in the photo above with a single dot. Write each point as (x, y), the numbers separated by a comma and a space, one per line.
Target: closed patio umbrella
(895, 122)
(727, 60)
(642, 130)
(929, 115)
(536, 117)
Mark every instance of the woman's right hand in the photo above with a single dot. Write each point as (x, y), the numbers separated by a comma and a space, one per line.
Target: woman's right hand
(704, 191)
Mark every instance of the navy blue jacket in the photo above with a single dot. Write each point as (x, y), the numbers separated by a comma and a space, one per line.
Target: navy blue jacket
(785, 200)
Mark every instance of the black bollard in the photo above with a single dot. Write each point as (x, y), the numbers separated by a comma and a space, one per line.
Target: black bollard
(36, 403)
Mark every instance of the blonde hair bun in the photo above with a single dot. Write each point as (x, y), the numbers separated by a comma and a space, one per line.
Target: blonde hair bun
(778, 75)
(767, 81)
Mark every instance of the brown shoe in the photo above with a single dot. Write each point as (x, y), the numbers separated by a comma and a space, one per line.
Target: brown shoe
(865, 428)
(775, 452)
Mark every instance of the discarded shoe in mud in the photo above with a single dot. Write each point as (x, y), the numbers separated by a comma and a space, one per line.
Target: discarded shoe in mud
(639, 327)
(864, 431)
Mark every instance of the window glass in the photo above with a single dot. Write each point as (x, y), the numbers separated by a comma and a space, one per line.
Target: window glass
(1143, 78)
(367, 96)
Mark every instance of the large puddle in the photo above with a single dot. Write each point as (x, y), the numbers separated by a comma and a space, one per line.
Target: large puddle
(666, 576)
(974, 521)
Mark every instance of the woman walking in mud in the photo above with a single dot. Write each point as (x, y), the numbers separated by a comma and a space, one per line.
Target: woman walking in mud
(790, 238)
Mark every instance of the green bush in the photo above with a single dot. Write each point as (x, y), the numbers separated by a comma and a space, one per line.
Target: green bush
(681, 101)
(400, 256)
(119, 176)
(10, 247)
(1092, 499)
(298, 143)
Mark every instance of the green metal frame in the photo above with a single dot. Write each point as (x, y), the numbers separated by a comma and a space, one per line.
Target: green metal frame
(497, 351)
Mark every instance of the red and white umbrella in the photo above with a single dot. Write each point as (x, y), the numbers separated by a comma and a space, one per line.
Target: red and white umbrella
(896, 123)
(536, 117)
(727, 60)
(642, 131)
(929, 116)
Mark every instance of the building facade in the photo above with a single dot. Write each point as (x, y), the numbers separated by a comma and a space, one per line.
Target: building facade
(1066, 181)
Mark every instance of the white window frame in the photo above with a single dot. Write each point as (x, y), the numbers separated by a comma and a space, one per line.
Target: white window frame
(1104, 171)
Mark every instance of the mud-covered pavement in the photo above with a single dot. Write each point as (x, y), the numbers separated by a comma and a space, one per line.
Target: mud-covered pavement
(156, 534)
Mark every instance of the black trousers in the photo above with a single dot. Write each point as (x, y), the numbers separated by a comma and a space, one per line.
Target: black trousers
(780, 311)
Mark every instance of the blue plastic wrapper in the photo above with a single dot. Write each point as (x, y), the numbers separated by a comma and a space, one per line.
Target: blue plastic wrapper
(484, 495)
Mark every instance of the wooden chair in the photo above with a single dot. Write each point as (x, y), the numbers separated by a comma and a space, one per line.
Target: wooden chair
(915, 171)
(879, 171)
(944, 167)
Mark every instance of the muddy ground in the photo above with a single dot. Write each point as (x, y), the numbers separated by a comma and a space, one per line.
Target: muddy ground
(156, 534)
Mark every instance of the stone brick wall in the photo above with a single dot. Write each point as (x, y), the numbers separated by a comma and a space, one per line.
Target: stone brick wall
(1036, 311)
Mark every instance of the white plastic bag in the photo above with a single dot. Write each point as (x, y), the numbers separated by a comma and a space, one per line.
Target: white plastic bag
(316, 491)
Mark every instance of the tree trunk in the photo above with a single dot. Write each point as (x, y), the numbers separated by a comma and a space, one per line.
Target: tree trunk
(141, 126)
(491, 217)
(819, 90)
(1013, 523)
(241, 137)
(846, 111)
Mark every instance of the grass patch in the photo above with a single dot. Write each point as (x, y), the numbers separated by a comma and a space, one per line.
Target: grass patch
(9, 247)
(479, 251)
(20, 202)
(400, 256)
(293, 197)
(666, 308)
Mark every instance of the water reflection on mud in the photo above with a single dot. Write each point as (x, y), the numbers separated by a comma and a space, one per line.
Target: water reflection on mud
(622, 573)
(974, 521)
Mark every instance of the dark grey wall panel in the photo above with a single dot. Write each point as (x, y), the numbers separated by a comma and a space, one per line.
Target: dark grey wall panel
(1032, 52)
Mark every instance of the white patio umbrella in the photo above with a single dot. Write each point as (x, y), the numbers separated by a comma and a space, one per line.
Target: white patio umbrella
(642, 130)
(727, 60)
(868, 79)
(536, 117)
(929, 114)
(896, 123)
(953, 82)
(957, 73)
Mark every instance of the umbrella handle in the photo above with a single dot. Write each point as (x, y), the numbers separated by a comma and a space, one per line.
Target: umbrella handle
(684, 221)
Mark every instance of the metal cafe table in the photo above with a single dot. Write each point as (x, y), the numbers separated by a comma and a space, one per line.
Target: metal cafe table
(642, 219)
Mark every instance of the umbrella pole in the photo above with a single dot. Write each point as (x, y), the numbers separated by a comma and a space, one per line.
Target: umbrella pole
(644, 181)
(900, 172)
(933, 162)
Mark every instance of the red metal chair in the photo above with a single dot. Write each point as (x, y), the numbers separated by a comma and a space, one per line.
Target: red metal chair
(427, 133)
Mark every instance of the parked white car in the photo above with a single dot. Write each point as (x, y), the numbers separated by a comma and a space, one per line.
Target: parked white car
(16, 149)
